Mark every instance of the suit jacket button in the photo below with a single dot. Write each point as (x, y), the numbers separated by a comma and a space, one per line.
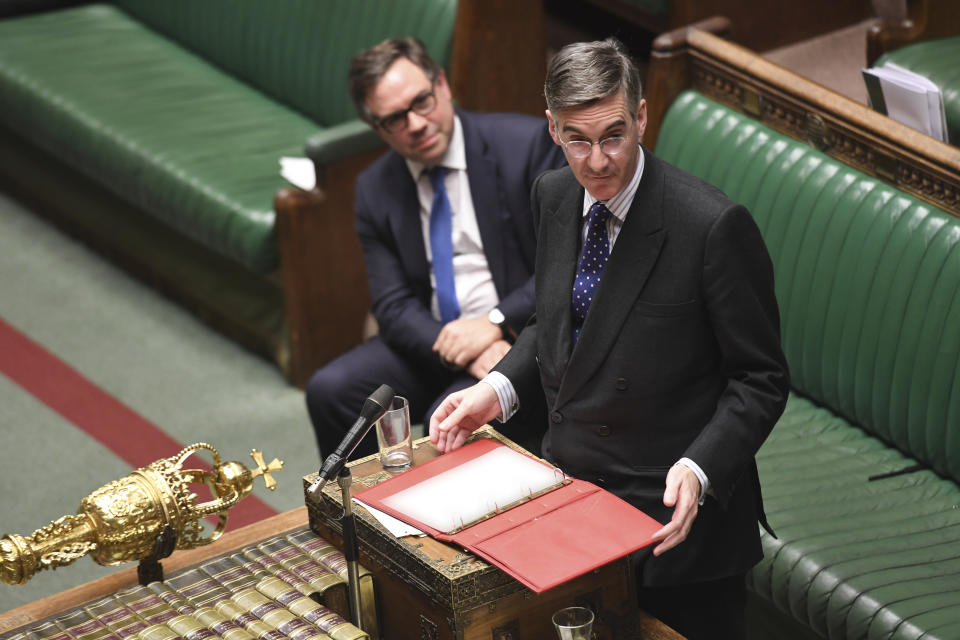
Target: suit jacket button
(600, 482)
(622, 384)
(556, 417)
(603, 430)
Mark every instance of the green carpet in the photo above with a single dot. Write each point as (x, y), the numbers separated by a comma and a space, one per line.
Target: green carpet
(146, 352)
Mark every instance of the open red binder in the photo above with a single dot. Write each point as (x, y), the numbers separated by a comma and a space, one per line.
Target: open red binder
(542, 542)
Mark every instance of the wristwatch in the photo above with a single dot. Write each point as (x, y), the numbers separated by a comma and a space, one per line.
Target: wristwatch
(496, 317)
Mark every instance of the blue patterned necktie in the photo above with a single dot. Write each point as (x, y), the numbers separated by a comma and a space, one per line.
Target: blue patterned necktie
(441, 247)
(593, 258)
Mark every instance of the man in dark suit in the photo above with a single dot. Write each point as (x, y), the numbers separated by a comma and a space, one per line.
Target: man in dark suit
(443, 322)
(656, 344)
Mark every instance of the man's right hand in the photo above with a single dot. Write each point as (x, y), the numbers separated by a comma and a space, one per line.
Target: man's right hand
(462, 413)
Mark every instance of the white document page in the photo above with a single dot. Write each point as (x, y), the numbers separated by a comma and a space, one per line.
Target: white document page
(935, 109)
(477, 488)
(907, 103)
(299, 172)
(398, 528)
(911, 98)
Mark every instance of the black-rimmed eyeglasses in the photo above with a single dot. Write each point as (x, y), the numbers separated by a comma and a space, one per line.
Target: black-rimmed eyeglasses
(422, 105)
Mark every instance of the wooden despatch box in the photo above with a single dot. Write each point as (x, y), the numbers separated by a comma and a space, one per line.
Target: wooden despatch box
(430, 590)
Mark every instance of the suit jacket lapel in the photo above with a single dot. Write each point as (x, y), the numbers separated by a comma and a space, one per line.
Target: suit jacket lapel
(557, 254)
(635, 253)
(404, 219)
(485, 190)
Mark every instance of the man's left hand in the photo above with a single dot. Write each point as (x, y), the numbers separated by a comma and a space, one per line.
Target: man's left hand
(682, 493)
(462, 340)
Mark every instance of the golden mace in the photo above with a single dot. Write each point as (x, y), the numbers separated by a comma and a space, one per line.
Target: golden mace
(122, 520)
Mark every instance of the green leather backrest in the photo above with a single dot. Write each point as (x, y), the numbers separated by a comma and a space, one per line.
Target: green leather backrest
(939, 61)
(297, 51)
(867, 277)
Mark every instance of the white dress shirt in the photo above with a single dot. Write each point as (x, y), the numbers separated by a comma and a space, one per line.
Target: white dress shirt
(476, 292)
(618, 206)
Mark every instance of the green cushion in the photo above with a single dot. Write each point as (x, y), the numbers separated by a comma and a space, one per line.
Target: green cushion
(939, 61)
(868, 278)
(153, 122)
(170, 131)
(297, 51)
(855, 558)
(868, 281)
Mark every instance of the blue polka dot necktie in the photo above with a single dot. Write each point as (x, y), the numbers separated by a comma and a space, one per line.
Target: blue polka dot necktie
(441, 247)
(593, 258)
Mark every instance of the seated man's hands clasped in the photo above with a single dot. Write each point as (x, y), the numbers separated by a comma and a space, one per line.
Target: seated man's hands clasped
(462, 413)
(463, 340)
(490, 356)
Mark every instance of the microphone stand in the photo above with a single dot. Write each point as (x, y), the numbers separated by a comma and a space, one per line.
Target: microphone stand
(344, 479)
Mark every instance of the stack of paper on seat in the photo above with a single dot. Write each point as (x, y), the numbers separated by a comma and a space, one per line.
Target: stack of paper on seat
(907, 97)
(516, 512)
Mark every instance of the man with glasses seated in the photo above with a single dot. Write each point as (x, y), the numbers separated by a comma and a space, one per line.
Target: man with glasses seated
(448, 240)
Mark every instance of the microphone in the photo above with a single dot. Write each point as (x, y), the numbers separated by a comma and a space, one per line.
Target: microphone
(373, 409)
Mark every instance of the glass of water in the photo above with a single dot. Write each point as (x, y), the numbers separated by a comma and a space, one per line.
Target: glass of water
(573, 623)
(393, 436)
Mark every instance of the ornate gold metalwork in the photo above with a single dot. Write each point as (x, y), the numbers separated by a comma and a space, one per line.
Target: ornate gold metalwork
(885, 166)
(120, 521)
(818, 133)
(752, 102)
(844, 138)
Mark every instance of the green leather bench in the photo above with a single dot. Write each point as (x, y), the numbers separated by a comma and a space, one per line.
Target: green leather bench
(939, 61)
(154, 129)
(860, 475)
(169, 105)
(181, 110)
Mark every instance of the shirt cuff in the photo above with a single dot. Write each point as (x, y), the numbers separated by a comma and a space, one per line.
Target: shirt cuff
(701, 476)
(509, 402)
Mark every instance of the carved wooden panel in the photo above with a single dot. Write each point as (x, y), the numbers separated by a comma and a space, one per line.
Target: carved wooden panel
(831, 123)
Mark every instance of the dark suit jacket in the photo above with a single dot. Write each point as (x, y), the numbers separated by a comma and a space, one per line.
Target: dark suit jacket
(505, 153)
(679, 356)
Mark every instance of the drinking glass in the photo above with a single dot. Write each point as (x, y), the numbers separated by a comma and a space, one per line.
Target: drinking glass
(573, 623)
(393, 436)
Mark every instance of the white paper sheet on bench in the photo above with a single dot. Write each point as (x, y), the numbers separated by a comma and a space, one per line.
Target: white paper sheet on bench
(398, 528)
(475, 489)
(299, 172)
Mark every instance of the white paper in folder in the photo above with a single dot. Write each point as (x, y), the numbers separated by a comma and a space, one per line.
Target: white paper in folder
(907, 97)
(473, 490)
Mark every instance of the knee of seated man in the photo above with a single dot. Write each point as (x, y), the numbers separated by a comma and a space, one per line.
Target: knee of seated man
(325, 389)
(324, 398)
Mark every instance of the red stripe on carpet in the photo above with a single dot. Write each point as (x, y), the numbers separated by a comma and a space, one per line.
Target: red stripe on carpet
(116, 426)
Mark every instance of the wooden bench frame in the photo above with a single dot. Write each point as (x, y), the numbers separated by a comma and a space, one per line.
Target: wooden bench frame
(314, 306)
(761, 26)
(695, 58)
(923, 20)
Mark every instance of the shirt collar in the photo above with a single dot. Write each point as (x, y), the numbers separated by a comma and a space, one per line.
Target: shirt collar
(619, 204)
(454, 158)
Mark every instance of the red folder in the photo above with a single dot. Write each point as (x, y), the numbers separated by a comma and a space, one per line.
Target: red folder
(544, 542)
